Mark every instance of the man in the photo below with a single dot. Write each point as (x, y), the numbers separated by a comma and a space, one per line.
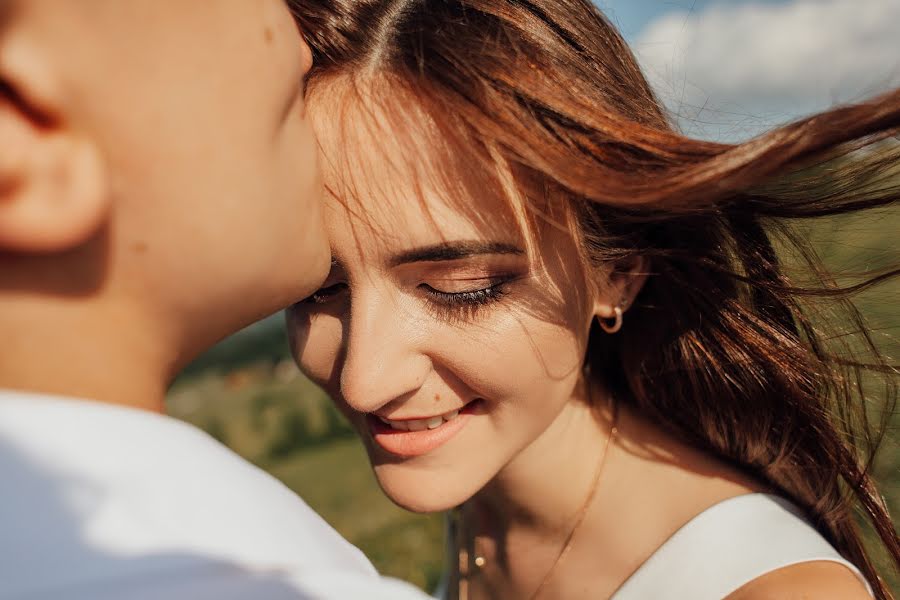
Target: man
(158, 190)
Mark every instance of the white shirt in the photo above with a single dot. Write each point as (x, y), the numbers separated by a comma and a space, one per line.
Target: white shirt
(99, 502)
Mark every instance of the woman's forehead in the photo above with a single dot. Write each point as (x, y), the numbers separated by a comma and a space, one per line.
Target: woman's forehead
(392, 174)
(395, 178)
(392, 214)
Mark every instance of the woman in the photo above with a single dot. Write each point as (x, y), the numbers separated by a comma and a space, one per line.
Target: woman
(551, 310)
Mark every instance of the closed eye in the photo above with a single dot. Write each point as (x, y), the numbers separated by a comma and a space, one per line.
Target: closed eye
(467, 298)
(325, 294)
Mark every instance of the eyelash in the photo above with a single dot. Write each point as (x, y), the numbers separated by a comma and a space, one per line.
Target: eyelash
(447, 302)
(471, 299)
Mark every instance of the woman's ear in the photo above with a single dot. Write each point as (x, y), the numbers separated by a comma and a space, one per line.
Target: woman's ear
(53, 185)
(622, 287)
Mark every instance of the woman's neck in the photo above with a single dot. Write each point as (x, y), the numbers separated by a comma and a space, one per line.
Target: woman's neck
(521, 520)
(548, 482)
(515, 528)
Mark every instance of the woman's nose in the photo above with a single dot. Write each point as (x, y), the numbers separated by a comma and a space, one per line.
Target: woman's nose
(382, 361)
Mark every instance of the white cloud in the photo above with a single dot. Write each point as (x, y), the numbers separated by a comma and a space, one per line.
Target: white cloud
(730, 69)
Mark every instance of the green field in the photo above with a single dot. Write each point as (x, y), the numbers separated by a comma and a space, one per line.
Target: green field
(246, 394)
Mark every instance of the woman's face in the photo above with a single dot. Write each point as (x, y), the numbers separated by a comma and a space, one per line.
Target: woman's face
(448, 349)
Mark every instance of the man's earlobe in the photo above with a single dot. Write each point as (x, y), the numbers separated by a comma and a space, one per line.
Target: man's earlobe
(53, 187)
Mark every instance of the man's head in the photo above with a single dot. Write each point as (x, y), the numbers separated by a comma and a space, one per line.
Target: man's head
(155, 161)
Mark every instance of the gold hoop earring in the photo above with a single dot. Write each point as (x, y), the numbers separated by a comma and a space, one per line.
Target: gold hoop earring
(617, 324)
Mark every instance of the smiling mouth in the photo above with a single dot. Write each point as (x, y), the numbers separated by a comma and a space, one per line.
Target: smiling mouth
(408, 438)
(421, 424)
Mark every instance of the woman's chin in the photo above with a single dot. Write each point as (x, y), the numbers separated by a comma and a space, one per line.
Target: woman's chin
(419, 495)
(420, 504)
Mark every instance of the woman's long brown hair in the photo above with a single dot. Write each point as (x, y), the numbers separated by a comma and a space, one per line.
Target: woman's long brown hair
(721, 346)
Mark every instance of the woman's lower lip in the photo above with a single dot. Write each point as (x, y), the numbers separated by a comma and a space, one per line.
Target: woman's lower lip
(409, 444)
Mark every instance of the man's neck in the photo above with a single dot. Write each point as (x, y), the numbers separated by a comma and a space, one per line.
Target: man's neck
(75, 349)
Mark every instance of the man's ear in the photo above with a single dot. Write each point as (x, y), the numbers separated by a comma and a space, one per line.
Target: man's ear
(624, 283)
(53, 185)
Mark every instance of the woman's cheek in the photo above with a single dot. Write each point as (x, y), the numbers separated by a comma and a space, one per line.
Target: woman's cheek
(516, 353)
(558, 351)
(319, 357)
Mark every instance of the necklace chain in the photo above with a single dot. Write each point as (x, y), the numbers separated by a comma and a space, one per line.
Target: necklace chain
(464, 557)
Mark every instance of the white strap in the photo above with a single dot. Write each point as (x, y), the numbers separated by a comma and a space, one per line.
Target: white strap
(727, 546)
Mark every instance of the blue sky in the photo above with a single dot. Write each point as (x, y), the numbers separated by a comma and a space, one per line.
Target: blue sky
(731, 68)
(631, 16)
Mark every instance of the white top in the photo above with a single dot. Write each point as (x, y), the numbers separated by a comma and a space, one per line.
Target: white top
(99, 502)
(723, 548)
(727, 546)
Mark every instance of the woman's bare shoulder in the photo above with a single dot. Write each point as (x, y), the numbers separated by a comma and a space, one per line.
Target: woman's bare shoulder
(823, 580)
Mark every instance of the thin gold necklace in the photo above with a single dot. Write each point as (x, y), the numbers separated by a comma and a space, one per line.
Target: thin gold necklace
(463, 554)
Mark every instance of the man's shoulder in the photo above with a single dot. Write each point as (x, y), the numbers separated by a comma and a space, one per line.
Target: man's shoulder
(104, 492)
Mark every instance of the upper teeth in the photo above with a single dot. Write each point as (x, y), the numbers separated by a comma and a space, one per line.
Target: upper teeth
(421, 424)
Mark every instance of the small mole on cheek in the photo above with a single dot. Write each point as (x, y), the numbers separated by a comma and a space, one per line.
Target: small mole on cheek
(437, 397)
(139, 247)
(269, 35)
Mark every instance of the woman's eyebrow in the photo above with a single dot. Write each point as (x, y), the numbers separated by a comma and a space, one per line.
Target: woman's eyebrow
(453, 251)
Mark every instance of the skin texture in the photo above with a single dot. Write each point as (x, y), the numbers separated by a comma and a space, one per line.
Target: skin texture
(381, 341)
(406, 350)
(158, 190)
